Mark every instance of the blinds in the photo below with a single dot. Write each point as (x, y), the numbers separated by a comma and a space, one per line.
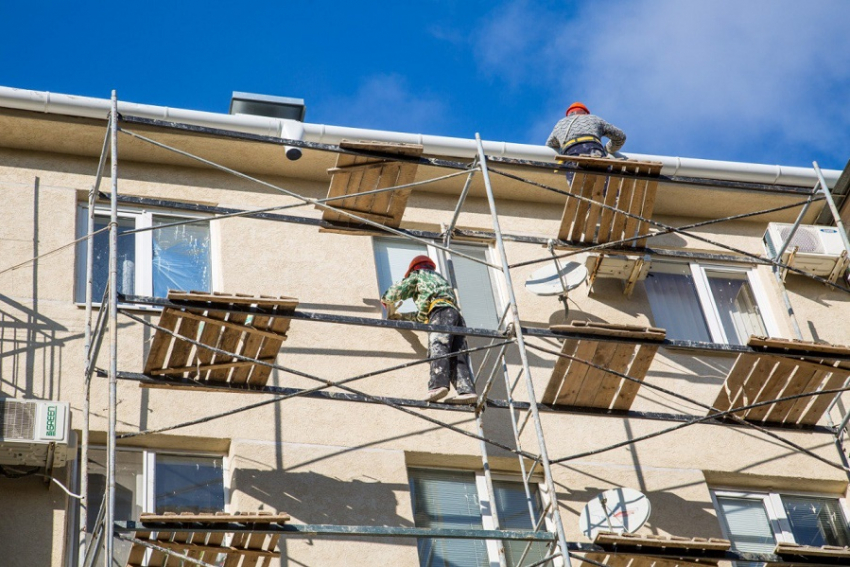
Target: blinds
(675, 306)
(748, 525)
(816, 521)
(447, 499)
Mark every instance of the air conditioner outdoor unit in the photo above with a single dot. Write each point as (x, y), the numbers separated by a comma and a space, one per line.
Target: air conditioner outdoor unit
(819, 249)
(35, 433)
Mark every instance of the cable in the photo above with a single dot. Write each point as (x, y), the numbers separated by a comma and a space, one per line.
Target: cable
(40, 256)
(34, 472)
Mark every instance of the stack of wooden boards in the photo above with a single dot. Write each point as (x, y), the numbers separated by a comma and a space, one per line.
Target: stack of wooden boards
(206, 318)
(575, 383)
(647, 543)
(196, 540)
(586, 222)
(787, 368)
(354, 174)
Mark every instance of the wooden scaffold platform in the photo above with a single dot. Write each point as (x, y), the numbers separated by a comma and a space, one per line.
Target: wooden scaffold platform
(204, 319)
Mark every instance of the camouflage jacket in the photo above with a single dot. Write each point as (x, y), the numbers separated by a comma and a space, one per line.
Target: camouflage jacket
(427, 288)
(578, 125)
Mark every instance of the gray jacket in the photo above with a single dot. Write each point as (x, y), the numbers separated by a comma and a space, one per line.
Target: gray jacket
(578, 125)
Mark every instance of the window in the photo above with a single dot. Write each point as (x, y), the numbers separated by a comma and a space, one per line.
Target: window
(147, 481)
(755, 522)
(149, 263)
(458, 499)
(717, 304)
(475, 284)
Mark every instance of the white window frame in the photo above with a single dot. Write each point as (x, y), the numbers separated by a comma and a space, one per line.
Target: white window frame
(708, 303)
(775, 509)
(496, 547)
(143, 218)
(442, 257)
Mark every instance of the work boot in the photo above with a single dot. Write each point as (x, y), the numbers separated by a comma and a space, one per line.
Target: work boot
(436, 394)
(467, 398)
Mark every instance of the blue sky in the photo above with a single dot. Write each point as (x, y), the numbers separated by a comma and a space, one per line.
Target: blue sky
(764, 81)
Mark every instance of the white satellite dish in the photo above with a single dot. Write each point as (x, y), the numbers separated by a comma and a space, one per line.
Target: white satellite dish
(548, 280)
(617, 510)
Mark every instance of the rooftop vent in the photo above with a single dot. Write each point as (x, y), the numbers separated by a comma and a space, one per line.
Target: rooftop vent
(271, 106)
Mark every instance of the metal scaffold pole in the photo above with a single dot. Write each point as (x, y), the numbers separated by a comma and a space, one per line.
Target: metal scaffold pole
(113, 337)
(506, 273)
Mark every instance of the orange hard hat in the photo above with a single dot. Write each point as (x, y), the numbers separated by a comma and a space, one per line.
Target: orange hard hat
(577, 106)
(420, 262)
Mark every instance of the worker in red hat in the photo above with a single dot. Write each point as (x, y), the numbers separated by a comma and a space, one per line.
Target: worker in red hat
(436, 304)
(580, 133)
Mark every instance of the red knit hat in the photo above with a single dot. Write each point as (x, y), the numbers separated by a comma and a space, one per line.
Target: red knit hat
(420, 263)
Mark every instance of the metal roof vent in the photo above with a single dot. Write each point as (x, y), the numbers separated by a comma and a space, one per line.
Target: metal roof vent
(271, 106)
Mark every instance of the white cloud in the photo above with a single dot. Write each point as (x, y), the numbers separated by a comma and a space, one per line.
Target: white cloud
(703, 78)
(386, 102)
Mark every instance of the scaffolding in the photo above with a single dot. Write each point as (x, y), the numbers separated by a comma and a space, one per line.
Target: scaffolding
(593, 220)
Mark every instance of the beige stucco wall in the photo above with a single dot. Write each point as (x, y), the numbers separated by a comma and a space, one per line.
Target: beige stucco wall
(346, 463)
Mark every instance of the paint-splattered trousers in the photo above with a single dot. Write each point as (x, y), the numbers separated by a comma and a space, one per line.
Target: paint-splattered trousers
(454, 370)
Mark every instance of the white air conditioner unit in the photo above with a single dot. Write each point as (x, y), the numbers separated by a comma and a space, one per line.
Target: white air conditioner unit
(35, 433)
(819, 249)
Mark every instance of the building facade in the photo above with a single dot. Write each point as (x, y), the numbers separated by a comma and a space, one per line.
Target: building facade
(347, 456)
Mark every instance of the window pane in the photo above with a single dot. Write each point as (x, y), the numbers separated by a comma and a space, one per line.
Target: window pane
(816, 521)
(747, 524)
(512, 508)
(189, 484)
(736, 306)
(181, 257)
(447, 499)
(392, 257)
(675, 306)
(126, 259)
(475, 288)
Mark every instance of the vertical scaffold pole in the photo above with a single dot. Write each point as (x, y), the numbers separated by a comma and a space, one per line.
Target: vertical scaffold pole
(109, 518)
(532, 398)
(84, 443)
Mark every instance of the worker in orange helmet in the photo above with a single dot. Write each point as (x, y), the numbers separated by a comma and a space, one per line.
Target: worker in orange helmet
(437, 304)
(580, 133)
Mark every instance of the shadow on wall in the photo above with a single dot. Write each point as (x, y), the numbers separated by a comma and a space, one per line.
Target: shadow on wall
(30, 352)
(313, 498)
(28, 522)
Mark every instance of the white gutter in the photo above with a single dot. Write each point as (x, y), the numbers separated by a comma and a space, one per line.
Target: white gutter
(88, 107)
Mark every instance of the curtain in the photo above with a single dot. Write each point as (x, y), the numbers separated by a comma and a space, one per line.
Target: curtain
(675, 306)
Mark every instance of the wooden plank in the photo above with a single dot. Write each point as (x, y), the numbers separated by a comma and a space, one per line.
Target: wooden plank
(203, 368)
(775, 382)
(574, 378)
(610, 383)
(255, 543)
(820, 403)
(161, 341)
(607, 218)
(216, 518)
(598, 196)
(211, 335)
(269, 349)
(648, 207)
(253, 328)
(798, 347)
(635, 209)
(227, 299)
(710, 544)
(594, 376)
(798, 407)
(229, 342)
(624, 200)
(556, 380)
(570, 207)
(755, 382)
(734, 381)
(624, 332)
(180, 349)
(380, 202)
(784, 548)
(579, 227)
(638, 369)
(796, 385)
(272, 545)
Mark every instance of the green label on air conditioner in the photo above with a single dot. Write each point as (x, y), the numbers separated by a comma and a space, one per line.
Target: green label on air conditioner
(51, 421)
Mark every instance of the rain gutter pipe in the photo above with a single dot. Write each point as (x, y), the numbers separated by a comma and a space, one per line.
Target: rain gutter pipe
(89, 107)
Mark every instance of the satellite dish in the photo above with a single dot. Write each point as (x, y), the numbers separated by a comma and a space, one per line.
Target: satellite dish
(618, 510)
(547, 280)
